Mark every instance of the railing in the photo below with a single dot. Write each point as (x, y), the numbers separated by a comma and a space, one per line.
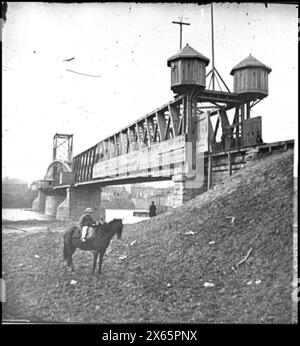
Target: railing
(167, 122)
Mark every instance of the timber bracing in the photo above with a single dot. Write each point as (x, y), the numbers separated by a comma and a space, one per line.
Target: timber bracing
(172, 120)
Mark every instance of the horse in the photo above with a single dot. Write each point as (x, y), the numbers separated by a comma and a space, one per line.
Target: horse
(97, 244)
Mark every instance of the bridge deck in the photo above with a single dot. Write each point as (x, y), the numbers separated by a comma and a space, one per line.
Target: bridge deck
(166, 173)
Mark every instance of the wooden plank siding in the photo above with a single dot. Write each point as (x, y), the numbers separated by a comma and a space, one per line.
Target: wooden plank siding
(188, 71)
(166, 123)
(252, 80)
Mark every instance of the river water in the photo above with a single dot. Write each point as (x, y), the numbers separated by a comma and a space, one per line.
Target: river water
(16, 214)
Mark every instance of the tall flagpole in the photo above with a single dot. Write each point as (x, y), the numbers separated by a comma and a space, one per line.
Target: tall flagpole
(212, 48)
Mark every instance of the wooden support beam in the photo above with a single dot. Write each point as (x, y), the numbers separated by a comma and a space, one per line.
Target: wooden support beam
(217, 96)
(167, 132)
(161, 122)
(150, 131)
(155, 133)
(180, 126)
(235, 122)
(208, 73)
(109, 151)
(87, 165)
(129, 141)
(145, 133)
(237, 114)
(83, 166)
(216, 130)
(207, 107)
(248, 110)
(209, 171)
(91, 163)
(184, 116)
(222, 80)
(94, 160)
(254, 103)
(123, 140)
(115, 147)
(86, 171)
(139, 139)
(75, 168)
(189, 119)
(242, 112)
(224, 120)
(80, 167)
(175, 118)
(136, 140)
(210, 134)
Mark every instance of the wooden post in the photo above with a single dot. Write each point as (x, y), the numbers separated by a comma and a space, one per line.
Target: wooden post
(229, 163)
(191, 134)
(248, 110)
(149, 126)
(160, 117)
(242, 112)
(209, 171)
(139, 139)
(129, 140)
(237, 120)
(189, 118)
(242, 121)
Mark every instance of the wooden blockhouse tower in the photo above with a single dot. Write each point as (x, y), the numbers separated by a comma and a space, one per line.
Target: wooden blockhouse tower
(250, 86)
(188, 69)
(250, 78)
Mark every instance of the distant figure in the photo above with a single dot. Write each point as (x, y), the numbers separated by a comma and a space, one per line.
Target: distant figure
(152, 210)
(85, 222)
(258, 138)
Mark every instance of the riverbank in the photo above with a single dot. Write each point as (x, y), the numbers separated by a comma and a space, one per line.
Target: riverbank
(224, 257)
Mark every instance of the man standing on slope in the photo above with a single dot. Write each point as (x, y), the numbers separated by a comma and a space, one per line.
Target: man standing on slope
(152, 210)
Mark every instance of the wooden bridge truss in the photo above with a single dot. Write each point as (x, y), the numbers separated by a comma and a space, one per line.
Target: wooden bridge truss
(172, 120)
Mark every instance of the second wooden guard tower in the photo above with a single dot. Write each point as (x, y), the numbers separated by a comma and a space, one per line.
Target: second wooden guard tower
(250, 78)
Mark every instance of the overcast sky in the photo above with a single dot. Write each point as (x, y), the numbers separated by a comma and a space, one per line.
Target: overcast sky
(125, 47)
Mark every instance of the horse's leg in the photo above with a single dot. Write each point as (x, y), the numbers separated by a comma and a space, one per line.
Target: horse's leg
(70, 259)
(72, 267)
(100, 262)
(95, 261)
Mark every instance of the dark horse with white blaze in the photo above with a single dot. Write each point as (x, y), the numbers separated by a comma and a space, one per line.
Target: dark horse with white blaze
(97, 244)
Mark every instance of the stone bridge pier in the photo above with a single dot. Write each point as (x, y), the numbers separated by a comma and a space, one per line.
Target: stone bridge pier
(47, 202)
(69, 203)
(39, 202)
(77, 199)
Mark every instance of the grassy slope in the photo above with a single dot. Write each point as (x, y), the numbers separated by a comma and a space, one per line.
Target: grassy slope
(162, 278)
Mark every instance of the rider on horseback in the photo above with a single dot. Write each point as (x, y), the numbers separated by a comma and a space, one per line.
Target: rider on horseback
(85, 222)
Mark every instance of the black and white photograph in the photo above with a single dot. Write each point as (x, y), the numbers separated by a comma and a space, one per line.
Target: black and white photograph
(149, 165)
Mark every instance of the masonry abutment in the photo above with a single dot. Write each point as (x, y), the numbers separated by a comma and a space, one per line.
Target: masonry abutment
(52, 202)
(39, 202)
(81, 198)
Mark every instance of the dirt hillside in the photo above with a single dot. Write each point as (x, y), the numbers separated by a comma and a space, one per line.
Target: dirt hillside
(224, 257)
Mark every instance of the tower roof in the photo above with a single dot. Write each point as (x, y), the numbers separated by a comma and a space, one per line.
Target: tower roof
(250, 61)
(188, 52)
